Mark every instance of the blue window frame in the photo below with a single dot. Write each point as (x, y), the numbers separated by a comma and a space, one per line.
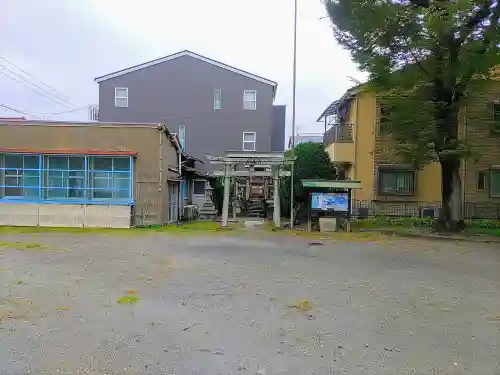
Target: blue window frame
(98, 179)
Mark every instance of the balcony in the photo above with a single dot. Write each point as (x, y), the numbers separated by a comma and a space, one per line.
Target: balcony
(338, 133)
(339, 144)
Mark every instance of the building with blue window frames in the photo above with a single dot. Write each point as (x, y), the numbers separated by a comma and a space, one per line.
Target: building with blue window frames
(89, 174)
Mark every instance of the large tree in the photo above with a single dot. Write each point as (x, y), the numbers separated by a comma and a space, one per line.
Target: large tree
(425, 58)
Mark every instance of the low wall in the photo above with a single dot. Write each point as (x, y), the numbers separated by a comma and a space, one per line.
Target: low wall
(64, 215)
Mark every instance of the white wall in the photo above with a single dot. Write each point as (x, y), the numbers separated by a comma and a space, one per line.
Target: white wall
(64, 215)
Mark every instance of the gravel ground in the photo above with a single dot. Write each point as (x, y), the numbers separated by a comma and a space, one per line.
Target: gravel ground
(236, 305)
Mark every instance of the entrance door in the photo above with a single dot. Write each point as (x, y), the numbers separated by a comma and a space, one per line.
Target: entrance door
(172, 202)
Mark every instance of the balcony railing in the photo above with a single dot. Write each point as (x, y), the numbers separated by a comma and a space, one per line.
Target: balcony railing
(338, 133)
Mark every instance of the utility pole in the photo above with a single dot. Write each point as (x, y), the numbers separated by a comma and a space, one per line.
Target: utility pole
(292, 218)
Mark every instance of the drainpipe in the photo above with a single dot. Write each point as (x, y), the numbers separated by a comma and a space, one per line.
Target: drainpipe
(464, 173)
(179, 164)
(160, 160)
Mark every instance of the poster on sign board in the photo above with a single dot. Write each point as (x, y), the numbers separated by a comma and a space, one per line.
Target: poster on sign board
(330, 201)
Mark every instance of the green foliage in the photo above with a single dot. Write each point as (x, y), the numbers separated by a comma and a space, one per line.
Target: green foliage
(417, 222)
(425, 58)
(217, 193)
(313, 162)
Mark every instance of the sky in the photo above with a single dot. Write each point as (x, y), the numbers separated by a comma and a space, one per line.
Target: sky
(64, 44)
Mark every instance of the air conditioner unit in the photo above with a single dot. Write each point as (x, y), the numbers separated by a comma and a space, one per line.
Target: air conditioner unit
(428, 212)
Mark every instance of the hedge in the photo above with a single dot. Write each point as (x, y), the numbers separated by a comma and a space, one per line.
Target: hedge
(416, 222)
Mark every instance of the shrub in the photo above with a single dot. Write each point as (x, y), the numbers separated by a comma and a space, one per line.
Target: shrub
(417, 222)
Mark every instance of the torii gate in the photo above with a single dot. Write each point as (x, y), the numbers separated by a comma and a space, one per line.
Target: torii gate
(251, 158)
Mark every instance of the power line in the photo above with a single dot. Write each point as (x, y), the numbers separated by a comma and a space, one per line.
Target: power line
(61, 113)
(60, 95)
(37, 114)
(17, 110)
(32, 89)
(52, 97)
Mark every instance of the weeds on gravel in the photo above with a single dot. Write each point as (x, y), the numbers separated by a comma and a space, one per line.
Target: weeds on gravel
(127, 300)
(23, 246)
(302, 306)
(364, 237)
(200, 227)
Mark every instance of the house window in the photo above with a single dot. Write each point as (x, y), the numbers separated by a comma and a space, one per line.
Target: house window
(19, 175)
(396, 182)
(496, 117)
(86, 179)
(217, 99)
(481, 180)
(182, 136)
(109, 177)
(121, 97)
(64, 177)
(250, 100)
(495, 183)
(249, 141)
(199, 187)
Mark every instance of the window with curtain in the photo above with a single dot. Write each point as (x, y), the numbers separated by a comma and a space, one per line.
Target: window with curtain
(495, 183)
(121, 97)
(396, 182)
(217, 99)
(249, 141)
(250, 100)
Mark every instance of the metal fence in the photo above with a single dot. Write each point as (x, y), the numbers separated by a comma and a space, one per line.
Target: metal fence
(338, 133)
(472, 210)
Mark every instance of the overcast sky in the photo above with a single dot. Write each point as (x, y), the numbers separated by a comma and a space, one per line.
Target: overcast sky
(67, 43)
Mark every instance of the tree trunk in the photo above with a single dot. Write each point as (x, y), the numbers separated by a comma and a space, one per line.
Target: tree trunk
(451, 216)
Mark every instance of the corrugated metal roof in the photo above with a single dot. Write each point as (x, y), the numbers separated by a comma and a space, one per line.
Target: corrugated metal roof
(70, 151)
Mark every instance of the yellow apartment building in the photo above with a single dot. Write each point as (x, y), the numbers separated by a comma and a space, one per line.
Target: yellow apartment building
(388, 185)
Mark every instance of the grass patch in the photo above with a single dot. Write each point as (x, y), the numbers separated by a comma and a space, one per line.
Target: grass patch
(23, 246)
(198, 227)
(405, 224)
(201, 227)
(302, 306)
(354, 236)
(124, 300)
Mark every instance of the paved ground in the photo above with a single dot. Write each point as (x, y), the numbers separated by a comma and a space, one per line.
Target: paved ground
(231, 305)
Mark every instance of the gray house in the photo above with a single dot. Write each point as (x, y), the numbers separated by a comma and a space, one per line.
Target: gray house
(212, 106)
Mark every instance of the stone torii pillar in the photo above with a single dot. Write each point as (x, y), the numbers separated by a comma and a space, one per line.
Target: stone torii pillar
(276, 197)
(225, 202)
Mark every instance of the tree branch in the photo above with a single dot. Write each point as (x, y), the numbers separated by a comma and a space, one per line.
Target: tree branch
(488, 39)
(474, 20)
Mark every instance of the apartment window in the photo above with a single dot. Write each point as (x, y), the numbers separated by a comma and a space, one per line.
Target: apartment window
(249, 141)
(217, 99)
(495, 183)
(121, 97)
(481, 180)
(396, 182)
(182, 136)
(199, 187)
(82, 178)
(250, 100)
(496, 117)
